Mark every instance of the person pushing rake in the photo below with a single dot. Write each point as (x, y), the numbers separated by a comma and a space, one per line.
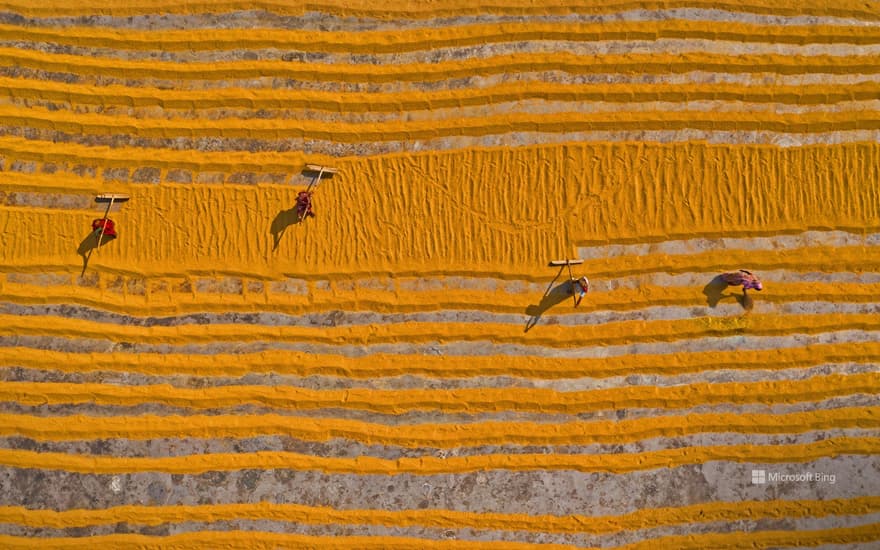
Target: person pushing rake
(304, 208)
(103, 228)
(579, 287)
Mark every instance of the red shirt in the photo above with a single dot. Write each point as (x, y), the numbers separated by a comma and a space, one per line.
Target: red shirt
(108, 225)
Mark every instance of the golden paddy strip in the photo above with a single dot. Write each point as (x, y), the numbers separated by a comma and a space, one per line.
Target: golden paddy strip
(156, 248)
(121, 270)
(469, 400)
(562, 337)
(348, 132)
(356, 102)
(163, 300)
(383, 365)
(58, 182)
(51, 183)
(124, 157)
(68, 182)
(422, 72)
(719, 260)
(432, 38)
(257, 205)
(443, 435)
(618, 463)
(448, 8)
(614, 155)
(648, 518)
(658, 192)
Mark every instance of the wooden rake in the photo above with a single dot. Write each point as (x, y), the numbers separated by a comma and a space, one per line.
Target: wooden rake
(321, 170)
(109, 198)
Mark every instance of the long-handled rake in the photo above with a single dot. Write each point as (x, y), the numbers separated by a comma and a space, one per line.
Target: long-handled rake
(321, 170)
(110, 199)
(302, 211)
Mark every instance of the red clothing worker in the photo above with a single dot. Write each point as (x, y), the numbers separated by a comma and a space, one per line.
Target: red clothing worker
(108, 225)
(304, 205)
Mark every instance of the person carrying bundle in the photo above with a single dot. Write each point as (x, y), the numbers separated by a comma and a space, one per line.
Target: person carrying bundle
(744, 278)
(580, 287)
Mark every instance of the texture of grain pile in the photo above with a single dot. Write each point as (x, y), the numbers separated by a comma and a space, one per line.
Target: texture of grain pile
(404, 370)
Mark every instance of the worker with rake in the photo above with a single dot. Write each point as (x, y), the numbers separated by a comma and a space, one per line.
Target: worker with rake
(579, 288)
(304, 205)
(105, 228)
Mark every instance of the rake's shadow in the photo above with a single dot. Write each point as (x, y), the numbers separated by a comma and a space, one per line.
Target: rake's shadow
(88, 245)
(555, 294)
(714, 292)
(282, 221)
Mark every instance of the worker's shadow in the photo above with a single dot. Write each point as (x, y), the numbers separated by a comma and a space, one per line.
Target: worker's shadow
(88, 245)
(555, 294)
(282, 221)
(714, 292)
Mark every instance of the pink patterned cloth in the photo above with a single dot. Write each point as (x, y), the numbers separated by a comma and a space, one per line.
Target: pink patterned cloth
(580, 288)
(744, 278)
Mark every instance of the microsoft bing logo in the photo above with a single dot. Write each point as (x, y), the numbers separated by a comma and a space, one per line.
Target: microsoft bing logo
(759, 477)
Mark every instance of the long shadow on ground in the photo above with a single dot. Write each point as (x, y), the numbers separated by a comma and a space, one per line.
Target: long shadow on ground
(282, 221)
(88, 245)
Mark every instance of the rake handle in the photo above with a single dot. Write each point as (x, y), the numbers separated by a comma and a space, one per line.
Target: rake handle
(571, 282)
(311, 186)
(106, 212)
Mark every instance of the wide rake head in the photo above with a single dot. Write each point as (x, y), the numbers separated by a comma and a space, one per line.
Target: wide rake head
(111, 197)
(320, 169)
